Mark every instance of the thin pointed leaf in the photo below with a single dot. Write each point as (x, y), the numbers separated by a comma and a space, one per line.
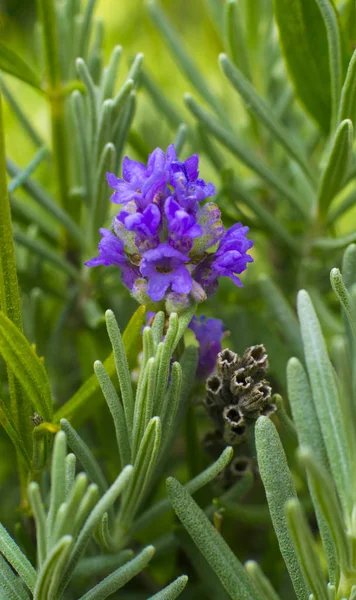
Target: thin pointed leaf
(26, 366)
(11, 63)
(283, 314)
(210, 543)
(309, 435)
(333, 34)
(347, 108)
(260, 580)
(326, 399)
(192, 487)
(264, 113)
(85, 456)
(73, 409)
(183, 59)
(10, 584)
(305, 547)
(172, 591)
(93, 521)
(302, 26)
(17, 559)
(279, 488)
(337, 166)
(117, 580)
(236, 38)
(245, 155)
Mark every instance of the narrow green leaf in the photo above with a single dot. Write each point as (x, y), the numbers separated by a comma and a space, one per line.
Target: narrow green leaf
(192, 487)
(26, 366)
(101, 564)
(122, 369)
(325, 494)
(17, 559)
(326, 399)
(349, 266)
(110, 74)
(172, 591)
(237, 193)
(279, 488)
(11, 63)
(260, 580)
(71, 461)
(163, 105)
(125, 121)
(101, 205)
(46, 254)
(344, 297)
(58, 473)
(55, 559)
(117, 580)
(85, 456)
(282, 312)
(302, 26)
(27, 172)
(305, 547)
(93, 521)
(264, 113)
(333, 34)
(84, 397)
(116, 410)
(35, 498)
(347, 108)
(236, 38)
(183, 59)
(181, 138)
(145, 464)
(310, 436)
(86, 28)
(22, 118)
(210, 543)
(245, 155)
(328, 244)
(337, 166)
(10, 585)
(41, 197)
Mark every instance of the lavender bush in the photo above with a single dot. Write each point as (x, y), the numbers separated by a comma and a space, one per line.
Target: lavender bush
(220, 315)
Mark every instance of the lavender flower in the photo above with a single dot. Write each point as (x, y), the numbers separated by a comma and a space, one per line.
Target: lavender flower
(209, 333)
(163, 237)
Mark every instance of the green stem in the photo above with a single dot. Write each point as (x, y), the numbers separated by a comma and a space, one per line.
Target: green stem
(10, 303)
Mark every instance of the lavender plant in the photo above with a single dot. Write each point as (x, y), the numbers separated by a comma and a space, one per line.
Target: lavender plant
(202, 367)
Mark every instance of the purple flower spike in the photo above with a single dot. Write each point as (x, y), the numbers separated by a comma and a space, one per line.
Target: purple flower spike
(164, 266)
(209, 333)
(164, 239)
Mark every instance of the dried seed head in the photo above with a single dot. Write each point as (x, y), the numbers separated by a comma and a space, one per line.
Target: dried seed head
(240, 382)
(235, 433)
(253, 402)
(226, 365)
(255, 360)
(214, 387)
(231, 414)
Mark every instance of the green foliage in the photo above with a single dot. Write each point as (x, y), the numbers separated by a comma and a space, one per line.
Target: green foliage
(274, 128)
